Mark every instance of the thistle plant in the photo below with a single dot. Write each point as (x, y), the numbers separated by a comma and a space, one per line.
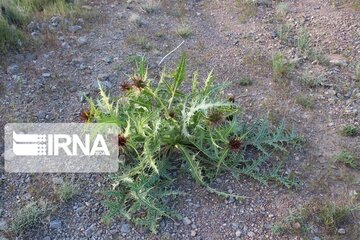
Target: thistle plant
(165, 129)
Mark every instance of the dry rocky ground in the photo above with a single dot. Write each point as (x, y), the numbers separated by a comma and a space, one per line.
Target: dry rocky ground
(235, 40)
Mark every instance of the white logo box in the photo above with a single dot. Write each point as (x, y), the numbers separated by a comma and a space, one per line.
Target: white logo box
(61, 147)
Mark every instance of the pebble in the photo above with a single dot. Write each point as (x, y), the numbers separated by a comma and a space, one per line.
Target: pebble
(57, 180)
(297, 225)
(55, 224)
(89, 232)
(82, 41)
(74, 28)
(55, 21)
(186, 221)
(238, 233)
(13, 69)
(125, 228)
(193, 233)
(83, 96)
(46, 75)
(106, 85)
(47, 238)
(251, 234)
(108, 60)
(65, 45)
(341, 231)
(102, 77)
(235, 226)
(41, 115)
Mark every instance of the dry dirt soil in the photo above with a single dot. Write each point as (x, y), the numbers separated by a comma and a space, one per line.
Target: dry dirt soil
(237, 41)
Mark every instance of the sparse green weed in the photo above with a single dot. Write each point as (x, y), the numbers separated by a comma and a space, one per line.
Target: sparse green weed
(151, 6)
(329, 216)
(281, 67)
(199, 132)
(281, 10)
(284, 33)
(28, 216)
(133, 59)
(140, 41)
(66, 191)
(357, 72)
(347, 158)
(184, 31)
(350, 131)
(245, 81)
(318, 56)
(303, 41)
(305, 101)
(248, 9)
(135, 19)
(10, 37)
(334, 216)
(15, 15)
(312, 81)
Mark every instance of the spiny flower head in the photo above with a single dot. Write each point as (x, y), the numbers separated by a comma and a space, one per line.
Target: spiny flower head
(235, 144)
(138, 82)
(85, 115)
(125, 86)
(122, 140)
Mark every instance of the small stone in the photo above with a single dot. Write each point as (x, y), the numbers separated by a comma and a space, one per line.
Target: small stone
(33, 26)
(89, 232)
(251, 234)
(125, 228)
(46, 75)
(341, 231)
(108, 59)
(193, 233)
(3, 225)
(296, 225)
(235, 226)
(47, 238)
(57, 180)
(41, 115)
(83, 96)
(74, 28)
(76, 62)
(65, 45)
(105, 85)
(13, 69)
(238, 233)
(55, 21)
(316, 238)
(186, 221)
(266, 3)
(82, 41)
(55, 224)
(102, 77)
